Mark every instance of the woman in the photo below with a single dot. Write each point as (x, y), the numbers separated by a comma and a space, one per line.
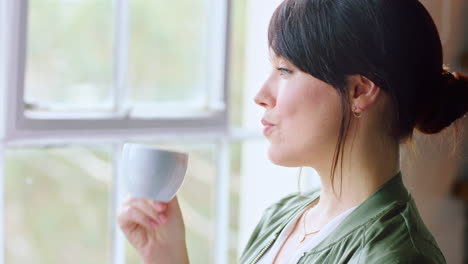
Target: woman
(351, 80)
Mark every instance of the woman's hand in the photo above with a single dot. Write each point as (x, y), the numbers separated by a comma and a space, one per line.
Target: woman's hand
(155, 229)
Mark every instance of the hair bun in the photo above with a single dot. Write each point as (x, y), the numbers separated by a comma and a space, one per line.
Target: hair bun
(447, 105)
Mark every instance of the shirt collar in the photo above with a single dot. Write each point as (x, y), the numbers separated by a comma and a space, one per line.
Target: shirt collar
(389, 195)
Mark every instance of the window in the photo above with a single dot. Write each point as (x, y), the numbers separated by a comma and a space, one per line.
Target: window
(108, 65)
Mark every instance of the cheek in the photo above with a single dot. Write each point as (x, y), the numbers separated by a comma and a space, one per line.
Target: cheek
(312, 109)
(319, 122)
(310, 122)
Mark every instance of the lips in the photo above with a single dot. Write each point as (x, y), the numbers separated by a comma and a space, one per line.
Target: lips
(268, 127)
(266, 123)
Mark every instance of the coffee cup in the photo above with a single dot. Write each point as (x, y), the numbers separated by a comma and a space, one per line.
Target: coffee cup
(153, 173)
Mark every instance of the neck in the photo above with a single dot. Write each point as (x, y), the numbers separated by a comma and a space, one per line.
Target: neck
(367, 164)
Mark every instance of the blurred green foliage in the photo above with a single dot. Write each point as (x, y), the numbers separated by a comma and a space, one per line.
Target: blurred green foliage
(168, 52)
(69, 52)
(57, 206)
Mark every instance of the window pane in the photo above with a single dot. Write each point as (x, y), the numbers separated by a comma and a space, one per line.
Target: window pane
(234, 194)
(237, 60)
(69, 57)
(56, 206)
(196, 199)
(168, 48)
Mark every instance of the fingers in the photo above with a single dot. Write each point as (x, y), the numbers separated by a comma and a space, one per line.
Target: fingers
(159, 206)
(162, 218)
(145, 207)
(132, 215)
(154, 210)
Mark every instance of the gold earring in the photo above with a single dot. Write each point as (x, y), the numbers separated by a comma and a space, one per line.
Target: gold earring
(357, 111)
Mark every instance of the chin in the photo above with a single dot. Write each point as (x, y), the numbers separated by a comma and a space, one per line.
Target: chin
(284, 159)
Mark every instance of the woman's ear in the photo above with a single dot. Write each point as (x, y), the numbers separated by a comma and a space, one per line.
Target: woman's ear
(363, 93)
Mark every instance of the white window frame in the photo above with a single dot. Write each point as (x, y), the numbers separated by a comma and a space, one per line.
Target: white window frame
(20, 126)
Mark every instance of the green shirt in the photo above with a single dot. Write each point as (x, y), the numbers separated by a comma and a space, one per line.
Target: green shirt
(385, 228)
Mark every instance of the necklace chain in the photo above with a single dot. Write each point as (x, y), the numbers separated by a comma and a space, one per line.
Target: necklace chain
(305, 230)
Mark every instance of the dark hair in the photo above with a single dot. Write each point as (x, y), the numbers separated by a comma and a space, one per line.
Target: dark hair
(393, 43)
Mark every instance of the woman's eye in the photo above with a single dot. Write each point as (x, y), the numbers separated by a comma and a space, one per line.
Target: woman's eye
(284, 71)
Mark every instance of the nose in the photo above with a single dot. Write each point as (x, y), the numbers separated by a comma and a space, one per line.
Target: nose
(264, 97)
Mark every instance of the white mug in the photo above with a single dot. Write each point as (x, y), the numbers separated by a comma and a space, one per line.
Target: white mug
(153, 173)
